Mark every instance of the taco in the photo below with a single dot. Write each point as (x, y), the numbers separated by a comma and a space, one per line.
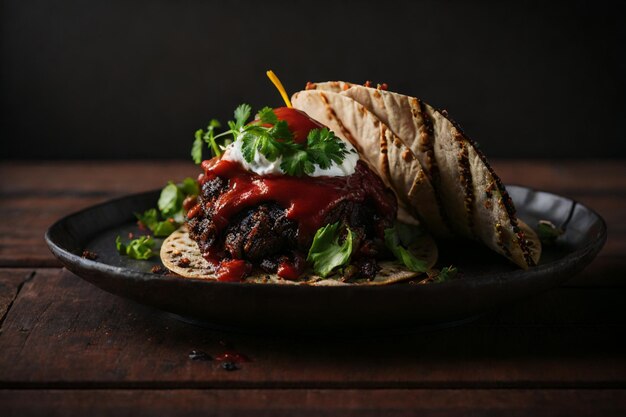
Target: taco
(467, 193)
(290, 202)
(179, 245)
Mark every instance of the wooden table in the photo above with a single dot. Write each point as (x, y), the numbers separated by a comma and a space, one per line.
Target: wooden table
(68, 348)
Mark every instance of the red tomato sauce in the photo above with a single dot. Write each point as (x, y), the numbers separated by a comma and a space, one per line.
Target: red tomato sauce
(307, 200)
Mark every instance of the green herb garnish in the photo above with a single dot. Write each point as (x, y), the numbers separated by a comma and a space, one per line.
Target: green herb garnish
(140, 248)
(446, 273)
(272, 138)
(242, 114)
(548, 232)
(207, 137)
(436, 276)
(326, 252)
(170, 214)
(399, 246)
(160, 228)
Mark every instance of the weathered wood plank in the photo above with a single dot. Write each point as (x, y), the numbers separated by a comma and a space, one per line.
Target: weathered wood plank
(62, 332)
(11, 281)
(54, 178)
(132, 176)
(26, 219)
(35, 195)
(315, 402)
(565, 176)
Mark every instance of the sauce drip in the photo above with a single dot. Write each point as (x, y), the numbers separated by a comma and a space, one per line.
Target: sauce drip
(308, 200)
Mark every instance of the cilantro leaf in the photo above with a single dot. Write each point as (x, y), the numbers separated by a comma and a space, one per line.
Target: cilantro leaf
(324, 148)
(170, 200)
(267, 116)
(209, 137)
(121, 247)
(189, 186)
(140, 248)
(170, 214)
(149, 218)
(242, 114)
(281, 131)
(326, 253)
(196, 148)
(165, 228)
(392, 241)
(446, 273)
(259, 139)
(297, 164)
(172, 196)
(548, 232)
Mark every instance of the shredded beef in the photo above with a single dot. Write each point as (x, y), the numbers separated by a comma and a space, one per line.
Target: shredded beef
(260, 232)
(265, 236)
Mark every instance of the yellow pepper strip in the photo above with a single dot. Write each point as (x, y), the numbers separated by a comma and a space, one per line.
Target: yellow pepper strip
(279, 86)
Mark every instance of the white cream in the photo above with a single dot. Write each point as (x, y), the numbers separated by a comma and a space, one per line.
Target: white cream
(261, 166)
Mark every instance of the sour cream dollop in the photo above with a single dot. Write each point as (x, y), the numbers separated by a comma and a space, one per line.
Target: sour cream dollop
(261, 166)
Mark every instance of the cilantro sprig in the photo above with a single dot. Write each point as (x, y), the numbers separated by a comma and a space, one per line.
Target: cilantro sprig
(241, 114)
(270, 137)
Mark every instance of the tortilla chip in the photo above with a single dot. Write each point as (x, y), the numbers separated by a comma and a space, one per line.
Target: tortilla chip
(179, 245)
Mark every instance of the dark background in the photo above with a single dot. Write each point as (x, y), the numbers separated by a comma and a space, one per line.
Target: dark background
(135, 79)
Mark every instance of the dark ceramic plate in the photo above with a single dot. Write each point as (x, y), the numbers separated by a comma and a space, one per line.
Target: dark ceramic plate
(487, 279)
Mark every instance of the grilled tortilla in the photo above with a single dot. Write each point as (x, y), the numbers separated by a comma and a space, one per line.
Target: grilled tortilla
(395, 163)
(179, 246)
(469, 195)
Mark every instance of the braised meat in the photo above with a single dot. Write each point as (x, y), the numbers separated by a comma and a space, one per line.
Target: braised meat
(265, 236)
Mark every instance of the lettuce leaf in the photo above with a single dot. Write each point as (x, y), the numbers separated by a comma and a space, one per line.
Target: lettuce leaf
(326, 252)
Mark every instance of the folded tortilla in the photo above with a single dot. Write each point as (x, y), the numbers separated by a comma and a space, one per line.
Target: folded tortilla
(180, 245)
(386, 153)
(471, 199)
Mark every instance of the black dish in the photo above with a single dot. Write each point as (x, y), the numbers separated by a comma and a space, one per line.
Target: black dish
(487, 281)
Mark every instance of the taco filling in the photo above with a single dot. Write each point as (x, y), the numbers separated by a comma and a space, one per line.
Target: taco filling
(287, 196)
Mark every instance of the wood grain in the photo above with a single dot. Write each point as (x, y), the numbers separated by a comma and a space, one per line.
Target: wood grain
(315, 402)
(93, 178)
(11, 281)
(134, 176)
(64, 333)
(68, 348)
(35, 195)
(565, 176)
